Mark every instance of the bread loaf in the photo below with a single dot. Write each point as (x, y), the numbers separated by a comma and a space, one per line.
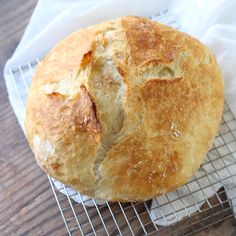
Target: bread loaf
(124, 110)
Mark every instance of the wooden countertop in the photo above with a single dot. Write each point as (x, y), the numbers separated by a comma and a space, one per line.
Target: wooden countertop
(28, 206)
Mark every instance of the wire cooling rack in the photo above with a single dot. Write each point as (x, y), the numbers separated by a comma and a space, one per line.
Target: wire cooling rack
(207, 199)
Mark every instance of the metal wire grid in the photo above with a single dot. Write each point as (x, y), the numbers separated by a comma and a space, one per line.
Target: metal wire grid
(166, 17)
(217, 170)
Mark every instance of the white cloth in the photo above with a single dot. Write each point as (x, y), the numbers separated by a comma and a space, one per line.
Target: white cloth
(212, 22)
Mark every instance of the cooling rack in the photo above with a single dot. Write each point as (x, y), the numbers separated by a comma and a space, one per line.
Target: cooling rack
(207, 199)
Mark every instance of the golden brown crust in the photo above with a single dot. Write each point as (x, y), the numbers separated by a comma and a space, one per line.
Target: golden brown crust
(125, 110)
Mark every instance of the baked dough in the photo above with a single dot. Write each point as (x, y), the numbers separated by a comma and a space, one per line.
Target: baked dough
(124, 110)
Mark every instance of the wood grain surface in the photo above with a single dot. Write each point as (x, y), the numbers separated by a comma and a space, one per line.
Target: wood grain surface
(27, 204)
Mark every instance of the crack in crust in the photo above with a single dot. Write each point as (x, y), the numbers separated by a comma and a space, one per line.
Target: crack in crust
(107, 86)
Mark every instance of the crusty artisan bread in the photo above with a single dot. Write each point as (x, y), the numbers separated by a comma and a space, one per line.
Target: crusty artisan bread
(124, 110)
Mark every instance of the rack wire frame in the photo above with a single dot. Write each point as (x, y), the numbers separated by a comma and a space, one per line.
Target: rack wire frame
(136, 218)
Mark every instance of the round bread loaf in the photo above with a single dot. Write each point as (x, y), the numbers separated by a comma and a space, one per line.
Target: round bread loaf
(124, 110)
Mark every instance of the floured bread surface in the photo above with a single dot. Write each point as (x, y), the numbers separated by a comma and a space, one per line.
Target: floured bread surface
(125, 110)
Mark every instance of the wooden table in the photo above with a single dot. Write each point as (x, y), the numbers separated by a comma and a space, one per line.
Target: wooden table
(28, 206)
